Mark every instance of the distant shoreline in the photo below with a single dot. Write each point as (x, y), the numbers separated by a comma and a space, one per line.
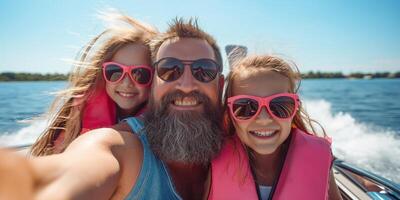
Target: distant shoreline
(355, 75)
(12, 76)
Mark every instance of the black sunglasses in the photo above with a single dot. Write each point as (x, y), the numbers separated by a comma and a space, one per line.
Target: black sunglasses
(170, 69)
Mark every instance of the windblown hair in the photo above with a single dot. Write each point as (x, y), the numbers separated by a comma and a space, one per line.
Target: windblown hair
(252, 65)
(65, 112)
(179, 28)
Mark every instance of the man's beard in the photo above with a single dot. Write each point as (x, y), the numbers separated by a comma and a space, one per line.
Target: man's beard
(190, 137)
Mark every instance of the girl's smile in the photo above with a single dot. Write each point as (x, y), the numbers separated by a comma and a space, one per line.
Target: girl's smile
(127, 94)
(262, 133)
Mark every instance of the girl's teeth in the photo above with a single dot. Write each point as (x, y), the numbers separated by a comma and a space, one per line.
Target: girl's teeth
(126, 94)
(263, 133)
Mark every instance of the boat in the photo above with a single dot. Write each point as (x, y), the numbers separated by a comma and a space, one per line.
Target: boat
(357, 183)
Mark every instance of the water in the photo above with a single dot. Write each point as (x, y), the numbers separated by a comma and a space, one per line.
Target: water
(19, 103)
(374, 102)
(362, 117)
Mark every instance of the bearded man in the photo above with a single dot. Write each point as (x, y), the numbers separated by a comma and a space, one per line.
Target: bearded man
(169, 152)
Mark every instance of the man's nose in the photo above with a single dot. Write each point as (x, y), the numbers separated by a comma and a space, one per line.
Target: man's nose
(264, 117)
(186, 82)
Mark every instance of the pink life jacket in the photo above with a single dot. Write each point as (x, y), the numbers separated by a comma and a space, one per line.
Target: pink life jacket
(99, 111)
(305, 173)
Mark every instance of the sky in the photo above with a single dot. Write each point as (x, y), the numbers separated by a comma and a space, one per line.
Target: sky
(331, 35)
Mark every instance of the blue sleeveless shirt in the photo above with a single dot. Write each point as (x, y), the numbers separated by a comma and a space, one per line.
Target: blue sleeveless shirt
(153, 181)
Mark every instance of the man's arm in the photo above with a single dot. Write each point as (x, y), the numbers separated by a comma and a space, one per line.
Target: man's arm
(16, 180)
(90, 168)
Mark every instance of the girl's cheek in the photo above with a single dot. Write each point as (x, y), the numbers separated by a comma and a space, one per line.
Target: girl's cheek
(240, 127)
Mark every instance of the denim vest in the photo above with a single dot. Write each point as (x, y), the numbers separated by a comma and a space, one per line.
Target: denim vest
(153, 181)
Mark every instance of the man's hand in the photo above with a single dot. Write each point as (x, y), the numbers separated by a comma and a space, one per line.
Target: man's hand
(16, 176)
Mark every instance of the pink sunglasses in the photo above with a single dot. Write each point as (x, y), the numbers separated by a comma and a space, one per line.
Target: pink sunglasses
(114, 72)
(282, 106)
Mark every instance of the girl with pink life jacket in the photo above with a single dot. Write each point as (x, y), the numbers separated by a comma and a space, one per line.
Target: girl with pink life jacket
(271, 151)
(111, 81)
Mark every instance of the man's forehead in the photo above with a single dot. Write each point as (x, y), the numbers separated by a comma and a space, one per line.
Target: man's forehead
(186, 49)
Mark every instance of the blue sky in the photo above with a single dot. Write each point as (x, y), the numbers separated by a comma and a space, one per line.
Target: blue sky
(332, 35)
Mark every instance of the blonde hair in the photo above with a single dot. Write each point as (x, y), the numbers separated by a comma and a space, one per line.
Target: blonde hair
(252, 65)
(179, 28)
(65, 112)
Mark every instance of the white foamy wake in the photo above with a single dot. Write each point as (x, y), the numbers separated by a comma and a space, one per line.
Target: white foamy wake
(24, 136)
(365, 145)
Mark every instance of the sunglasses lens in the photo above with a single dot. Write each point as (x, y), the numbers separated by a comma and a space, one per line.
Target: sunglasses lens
(204, 70)
(113, 72)
(244, 108)
(141, 75)
(282, 107)
(169, 69)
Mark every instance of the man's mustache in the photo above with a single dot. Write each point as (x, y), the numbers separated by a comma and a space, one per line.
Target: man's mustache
(179, 94)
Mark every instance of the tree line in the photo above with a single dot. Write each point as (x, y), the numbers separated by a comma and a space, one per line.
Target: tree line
(357, 75)
(12, 76)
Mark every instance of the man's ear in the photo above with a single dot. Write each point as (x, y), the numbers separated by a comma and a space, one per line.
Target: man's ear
(221, 82)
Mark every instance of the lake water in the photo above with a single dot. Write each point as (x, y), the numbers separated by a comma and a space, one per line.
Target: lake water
(361, 116)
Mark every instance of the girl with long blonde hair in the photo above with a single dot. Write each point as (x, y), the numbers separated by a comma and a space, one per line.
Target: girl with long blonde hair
(272, 151)
(111, 81)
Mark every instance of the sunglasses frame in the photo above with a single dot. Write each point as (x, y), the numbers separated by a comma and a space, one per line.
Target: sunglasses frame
(190, 63)
(264, 102)
(127, 70)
